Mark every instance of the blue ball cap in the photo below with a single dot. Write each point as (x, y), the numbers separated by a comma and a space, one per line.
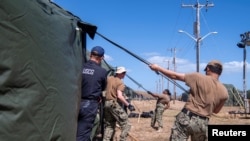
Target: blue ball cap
(97, 50)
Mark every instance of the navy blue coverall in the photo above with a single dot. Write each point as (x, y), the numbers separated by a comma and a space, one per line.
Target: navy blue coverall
(94, 79)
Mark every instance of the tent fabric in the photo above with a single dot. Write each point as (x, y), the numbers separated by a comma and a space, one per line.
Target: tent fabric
(40, 70)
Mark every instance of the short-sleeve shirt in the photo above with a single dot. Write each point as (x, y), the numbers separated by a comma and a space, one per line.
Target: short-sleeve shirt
(206, 93)
(163, 99)
(94, 79)
(113, 84)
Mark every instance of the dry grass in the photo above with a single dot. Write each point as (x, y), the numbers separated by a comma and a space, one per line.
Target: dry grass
(141, 130)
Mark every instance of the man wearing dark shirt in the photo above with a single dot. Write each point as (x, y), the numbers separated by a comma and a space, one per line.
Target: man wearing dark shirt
(94, 79)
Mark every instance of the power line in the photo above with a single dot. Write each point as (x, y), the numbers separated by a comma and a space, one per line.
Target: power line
(196, 28)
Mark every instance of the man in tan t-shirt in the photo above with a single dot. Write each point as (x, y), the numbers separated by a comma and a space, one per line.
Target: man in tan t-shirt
(207, 95)
(163, 103)
(113, 112)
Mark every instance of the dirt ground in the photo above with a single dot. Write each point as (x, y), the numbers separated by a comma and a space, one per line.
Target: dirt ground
(141, 130)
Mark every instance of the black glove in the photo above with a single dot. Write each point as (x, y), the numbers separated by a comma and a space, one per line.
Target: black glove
(131, 108)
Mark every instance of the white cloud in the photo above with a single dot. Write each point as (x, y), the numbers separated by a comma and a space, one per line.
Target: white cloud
(181, 65)
(235, 66)
(184, 65)
(108, 58)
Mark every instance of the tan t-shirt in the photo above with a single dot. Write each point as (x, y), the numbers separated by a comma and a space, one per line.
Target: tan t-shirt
(206, 93)
(163, 99)
(113, 84)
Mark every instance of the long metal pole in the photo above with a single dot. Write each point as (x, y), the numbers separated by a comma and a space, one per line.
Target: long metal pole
(198, 55)
(197, 33)
(244, 82)
(174, 62)
(168, 69)
(162, 86)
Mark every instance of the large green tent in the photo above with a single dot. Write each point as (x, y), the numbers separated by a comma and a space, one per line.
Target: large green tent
(41, 54)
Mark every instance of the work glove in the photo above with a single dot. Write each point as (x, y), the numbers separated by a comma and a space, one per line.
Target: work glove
(131, 108)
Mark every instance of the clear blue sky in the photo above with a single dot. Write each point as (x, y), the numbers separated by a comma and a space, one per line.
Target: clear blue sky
(149, 28)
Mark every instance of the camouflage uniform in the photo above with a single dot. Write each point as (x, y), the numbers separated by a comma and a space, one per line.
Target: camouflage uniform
(163, 103)
(207, 95)
(188, 123)
(157, 116)
(114, 113)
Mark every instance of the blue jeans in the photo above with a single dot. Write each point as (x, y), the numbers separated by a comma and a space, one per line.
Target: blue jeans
(86, 118)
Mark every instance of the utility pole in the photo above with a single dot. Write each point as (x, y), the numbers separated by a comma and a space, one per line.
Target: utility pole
(196, 27)
(245, 41)
(168, 69)
(162, 84)
(159, 92)
(156, 82)
(173, 50)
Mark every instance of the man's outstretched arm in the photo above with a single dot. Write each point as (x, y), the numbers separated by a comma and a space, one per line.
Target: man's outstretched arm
(168, 73)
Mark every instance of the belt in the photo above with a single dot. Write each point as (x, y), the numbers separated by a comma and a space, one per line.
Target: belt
(191, 114)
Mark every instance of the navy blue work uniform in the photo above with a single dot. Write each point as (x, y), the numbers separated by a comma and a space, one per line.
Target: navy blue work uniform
(94, 79)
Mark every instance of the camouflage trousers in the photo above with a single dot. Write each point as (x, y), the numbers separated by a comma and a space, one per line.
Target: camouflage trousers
(114, 113)
(187, 124)
(157, 116)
